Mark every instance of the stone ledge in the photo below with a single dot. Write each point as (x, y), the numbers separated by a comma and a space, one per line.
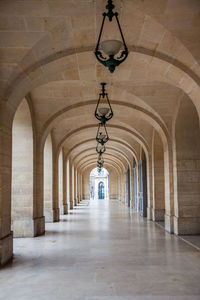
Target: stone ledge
(6, 249)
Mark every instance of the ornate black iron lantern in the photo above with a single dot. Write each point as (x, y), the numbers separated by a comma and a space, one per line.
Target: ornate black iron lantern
(100, 162)
(99, 169)
(102, 134)
(111, 47)
(103, 113)
(100, 149)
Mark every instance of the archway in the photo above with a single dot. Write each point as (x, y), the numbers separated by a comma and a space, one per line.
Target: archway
(99, 184)
(22, 173)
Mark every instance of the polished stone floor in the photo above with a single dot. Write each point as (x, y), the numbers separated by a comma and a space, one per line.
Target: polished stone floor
(102, 251)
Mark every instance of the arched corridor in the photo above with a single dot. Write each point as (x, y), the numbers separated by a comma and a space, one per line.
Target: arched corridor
(99, 146)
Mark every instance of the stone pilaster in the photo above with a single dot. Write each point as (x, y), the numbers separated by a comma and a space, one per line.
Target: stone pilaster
(169, 223)
(149, 213)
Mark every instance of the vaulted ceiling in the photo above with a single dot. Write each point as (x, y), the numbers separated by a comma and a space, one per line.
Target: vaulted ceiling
(46, 55)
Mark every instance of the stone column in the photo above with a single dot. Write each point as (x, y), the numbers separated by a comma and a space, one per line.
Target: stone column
(124, 188)
(131, 188)
(48, 179)
(149, 187)
(56, 210)
(71, 185)
(77, 186)
(65, 206)
(74, 185)
(6, 239)
(169, 191)
(38, 205)
(81, 187)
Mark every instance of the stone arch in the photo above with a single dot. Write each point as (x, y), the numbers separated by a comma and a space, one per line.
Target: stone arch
(114, 174)
(112, 164)
(22, 172)
(91, 165)
(114, 159)
(108, 148)
(119, 142)
(167, 54)
(154, 120)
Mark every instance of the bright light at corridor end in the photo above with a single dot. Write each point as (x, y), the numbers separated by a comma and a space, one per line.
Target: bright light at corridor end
(99, 184)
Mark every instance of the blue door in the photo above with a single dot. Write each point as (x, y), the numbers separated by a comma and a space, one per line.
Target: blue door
(101, 190)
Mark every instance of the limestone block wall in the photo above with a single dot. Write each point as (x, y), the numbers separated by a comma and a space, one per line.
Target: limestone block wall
(86, 184)
(187, 210)
(113, 185)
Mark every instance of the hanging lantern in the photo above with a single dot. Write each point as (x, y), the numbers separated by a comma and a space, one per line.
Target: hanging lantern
(99, 169)
(99, 164)
(103, 112)
(100, 160)
(100, 149)
(102, 134)
(111, 47)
